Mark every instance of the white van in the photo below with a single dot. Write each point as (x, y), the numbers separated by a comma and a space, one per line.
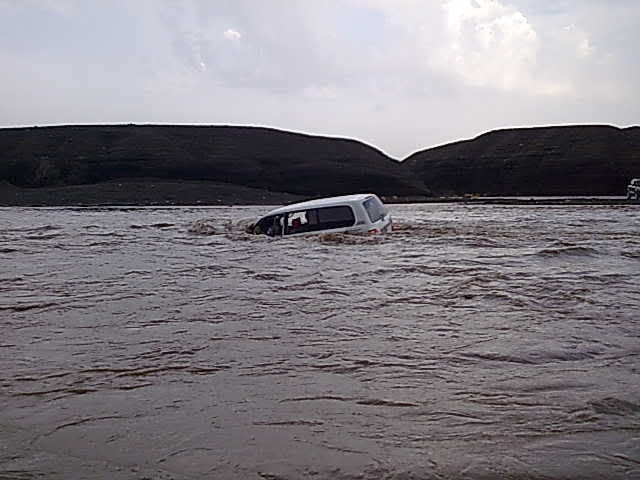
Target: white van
(362, 213)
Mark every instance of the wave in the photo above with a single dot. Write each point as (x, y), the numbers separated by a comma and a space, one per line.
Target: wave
(567, 251)
(152, 225)
(535, 357)
(208, 226)
(28, 306)
(345, 238)
(615, 406)
(34, 230)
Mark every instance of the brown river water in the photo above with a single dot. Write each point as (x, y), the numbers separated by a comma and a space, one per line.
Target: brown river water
(474, 342)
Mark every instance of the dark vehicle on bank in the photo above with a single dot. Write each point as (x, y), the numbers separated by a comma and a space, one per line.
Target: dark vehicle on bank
(633, 189)
(361, 213)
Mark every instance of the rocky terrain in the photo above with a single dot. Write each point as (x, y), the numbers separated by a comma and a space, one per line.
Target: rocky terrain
(179, 165)
(572, 160)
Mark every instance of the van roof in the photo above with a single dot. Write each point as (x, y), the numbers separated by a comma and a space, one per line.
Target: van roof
(322, 202)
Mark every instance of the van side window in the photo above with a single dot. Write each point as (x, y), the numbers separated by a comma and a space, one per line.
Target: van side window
(297, 222)
(374, 209)
(335, 217)
(319, 219)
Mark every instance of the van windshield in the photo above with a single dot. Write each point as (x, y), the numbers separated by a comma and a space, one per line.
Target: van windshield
(271, 226)
(374, 209)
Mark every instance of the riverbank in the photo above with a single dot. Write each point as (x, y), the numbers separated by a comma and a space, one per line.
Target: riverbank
(522, 200)
(143, 192)
(128, 193)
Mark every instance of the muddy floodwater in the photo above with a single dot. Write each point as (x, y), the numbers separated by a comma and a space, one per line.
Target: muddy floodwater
(474, 342)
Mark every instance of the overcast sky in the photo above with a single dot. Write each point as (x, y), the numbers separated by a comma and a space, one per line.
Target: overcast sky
(401, 75)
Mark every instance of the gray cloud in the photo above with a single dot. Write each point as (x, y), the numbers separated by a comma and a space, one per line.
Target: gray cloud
(401, 74)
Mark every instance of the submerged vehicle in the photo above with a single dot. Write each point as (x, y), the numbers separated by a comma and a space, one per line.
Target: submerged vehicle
(633, 189)
(361, 213)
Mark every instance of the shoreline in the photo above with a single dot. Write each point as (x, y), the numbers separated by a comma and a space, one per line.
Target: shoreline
(163, 193)
(525, 200)
(507, 201)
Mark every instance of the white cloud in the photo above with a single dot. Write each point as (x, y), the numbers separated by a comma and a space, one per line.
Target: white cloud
(489, 44)
(584, 48)
(576, 39)
(318, 92)
(231, 34)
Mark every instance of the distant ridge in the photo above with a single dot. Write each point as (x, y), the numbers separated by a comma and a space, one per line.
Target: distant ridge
(180, 164)
(255, 157)
(562, 160)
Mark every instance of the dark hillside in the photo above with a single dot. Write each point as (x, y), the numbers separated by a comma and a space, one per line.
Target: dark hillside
(259, 158)
(222, 164)
(572, 160)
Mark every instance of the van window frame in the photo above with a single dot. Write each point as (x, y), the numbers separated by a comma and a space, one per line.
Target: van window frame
(314, 222)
